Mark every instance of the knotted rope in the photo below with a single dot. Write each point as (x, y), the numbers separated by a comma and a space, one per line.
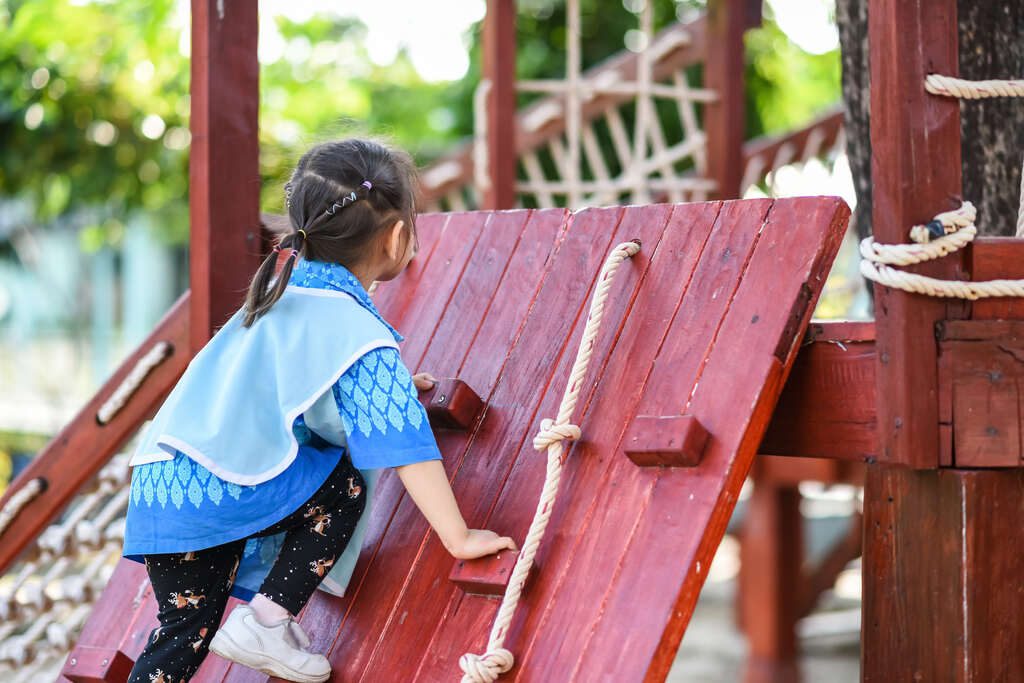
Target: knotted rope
(945, 234)
(486, 668)
(22, 497)
(937, 84)
(131, 383)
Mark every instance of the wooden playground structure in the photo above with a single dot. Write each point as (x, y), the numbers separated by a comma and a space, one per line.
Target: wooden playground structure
(707, 333)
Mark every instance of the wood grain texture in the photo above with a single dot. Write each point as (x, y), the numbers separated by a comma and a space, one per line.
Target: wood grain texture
(225, 245)
(724, 119)
(499, 68)
(915, 175)
(941, 556)
(668, 441)
(995, 258)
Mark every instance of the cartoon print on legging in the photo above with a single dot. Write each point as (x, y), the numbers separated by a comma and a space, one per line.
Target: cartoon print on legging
(321, 519)
(159, 677)
(156, 633)
(320, 567)
(190, 556)
(234, 572)
(186, 599)
(199, 643)
(354, 489)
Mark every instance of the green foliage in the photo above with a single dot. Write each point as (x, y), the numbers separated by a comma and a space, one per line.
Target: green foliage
(94, 98)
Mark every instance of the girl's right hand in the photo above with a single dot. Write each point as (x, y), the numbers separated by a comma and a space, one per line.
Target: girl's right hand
(480, 543)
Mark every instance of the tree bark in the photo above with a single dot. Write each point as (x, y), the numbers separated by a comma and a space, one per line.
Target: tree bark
(992, 131)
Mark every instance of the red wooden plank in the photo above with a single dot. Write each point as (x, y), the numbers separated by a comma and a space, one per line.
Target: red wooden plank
(994, 258)
(393, 299)
(687, 509)
(224, 189)
(987, 379)
(486, 278)
(514, 403)
(452, 404)
(724, 117)
(97, 665)
(486, 576)
(914, 175)
(469, 619)
(90, 445)
(620, 487)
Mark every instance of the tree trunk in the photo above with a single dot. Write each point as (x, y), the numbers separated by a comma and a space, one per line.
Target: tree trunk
(992, 131)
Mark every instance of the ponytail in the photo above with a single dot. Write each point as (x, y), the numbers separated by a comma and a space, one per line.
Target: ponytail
(262, 295)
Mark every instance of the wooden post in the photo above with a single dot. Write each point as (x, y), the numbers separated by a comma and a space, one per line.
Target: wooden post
(724, 121)
(224, 178)
(942, 561)
(499, 69)
(771, 562)
(915, 141)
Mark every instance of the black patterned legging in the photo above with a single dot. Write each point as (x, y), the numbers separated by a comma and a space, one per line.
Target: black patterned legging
(192, 588)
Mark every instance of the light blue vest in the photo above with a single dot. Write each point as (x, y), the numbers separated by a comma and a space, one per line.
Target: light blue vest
(233, 409)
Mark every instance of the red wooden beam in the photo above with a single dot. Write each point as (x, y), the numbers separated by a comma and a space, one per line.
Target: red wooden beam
(915, 143)
(827, 408)
(89, 445)
(723, 72)
(994, 258)
(499, 67)
(224, 179)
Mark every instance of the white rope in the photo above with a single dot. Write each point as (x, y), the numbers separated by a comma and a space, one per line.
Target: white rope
(22, 497)
(113, 405)
(948, 86)
(497, 659)
(959, 230)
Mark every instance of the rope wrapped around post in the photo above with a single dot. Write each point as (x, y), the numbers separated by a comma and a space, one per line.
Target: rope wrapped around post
(943, 235)
(486, 668)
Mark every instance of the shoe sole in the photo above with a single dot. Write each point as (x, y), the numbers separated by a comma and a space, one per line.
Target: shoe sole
(223, 646)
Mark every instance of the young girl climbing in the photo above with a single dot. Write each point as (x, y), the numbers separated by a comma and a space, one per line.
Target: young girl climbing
(256, 470)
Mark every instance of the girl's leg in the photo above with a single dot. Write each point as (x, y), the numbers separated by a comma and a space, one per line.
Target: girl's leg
(316, 534)
(191, 590)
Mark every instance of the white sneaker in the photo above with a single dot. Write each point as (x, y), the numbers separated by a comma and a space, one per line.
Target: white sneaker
(278, 650)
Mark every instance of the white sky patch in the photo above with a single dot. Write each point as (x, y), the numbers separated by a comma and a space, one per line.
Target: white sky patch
(808, 23)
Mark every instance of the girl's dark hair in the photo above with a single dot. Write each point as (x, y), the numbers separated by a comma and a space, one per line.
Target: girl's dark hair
(340, 197)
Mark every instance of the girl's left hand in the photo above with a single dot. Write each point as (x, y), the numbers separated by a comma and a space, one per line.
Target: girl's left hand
(424, 381)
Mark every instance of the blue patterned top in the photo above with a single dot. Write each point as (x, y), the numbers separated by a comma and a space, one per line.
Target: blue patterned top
(178, 505)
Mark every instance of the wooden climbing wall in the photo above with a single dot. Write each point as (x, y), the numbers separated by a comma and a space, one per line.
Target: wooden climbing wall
(706, 320)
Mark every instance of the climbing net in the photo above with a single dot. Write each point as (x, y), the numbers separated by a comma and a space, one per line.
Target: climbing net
(46, 597)
(497, 659)
(949, 231)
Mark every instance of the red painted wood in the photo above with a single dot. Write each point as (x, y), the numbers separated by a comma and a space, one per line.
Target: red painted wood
(90, 445)
(499, 68)
(393, 299)
(485, 576)
(683, 240)
(827, 408)
(224, 176)
(987, 379)
(914, 176)
(452, 404)
(794, 251)
(723, 73)
(994, 258)
(97, 665)
(671, 441)
(513, 404)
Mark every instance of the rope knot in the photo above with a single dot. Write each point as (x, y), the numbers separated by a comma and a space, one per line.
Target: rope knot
(551, 433)
(487, 667)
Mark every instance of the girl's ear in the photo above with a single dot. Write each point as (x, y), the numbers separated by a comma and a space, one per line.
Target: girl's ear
(394, 243)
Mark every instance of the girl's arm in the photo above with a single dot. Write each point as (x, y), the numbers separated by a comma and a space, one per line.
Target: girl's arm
(428, 487)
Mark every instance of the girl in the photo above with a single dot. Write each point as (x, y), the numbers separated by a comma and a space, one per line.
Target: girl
(267, 446)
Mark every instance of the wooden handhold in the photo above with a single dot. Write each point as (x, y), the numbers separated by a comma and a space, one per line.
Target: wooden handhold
(97, 665)
(452, 404)
(487, 575)
(672, 440)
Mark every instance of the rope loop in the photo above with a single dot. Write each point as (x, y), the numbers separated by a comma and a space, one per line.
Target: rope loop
(550, 434)
(487, 667)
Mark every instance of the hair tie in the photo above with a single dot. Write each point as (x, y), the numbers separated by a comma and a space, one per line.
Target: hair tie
(367, 184)
(303, 233)
(295, 252)
(277, 248)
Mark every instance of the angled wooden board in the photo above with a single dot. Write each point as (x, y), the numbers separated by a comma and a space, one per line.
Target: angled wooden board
(704, 321)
